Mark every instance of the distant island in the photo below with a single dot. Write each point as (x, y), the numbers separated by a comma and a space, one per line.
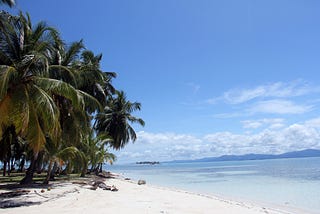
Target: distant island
(148, 162)
(296, 154)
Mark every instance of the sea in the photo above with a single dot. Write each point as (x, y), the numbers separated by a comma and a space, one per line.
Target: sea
(286, 184)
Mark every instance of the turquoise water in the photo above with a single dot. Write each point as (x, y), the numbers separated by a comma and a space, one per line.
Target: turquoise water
(285, 183)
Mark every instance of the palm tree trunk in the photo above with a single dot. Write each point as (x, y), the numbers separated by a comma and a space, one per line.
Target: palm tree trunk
(92, 168)
(46, 181)
(84, 169)
(4, 168)
(22, 162)
(53, 171)
(28, 178)
(9, 169)
(100, 168)
(12, 165)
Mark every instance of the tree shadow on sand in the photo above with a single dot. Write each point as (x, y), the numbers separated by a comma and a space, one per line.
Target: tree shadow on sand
(17, 195)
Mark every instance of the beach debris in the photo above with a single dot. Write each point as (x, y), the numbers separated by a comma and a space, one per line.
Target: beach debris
(80, 182)
(114, 189)
(93, 187)
(141, 182)
(35, 192)
(103, 186)
(100, 184)
(42, 191)
(127, 179)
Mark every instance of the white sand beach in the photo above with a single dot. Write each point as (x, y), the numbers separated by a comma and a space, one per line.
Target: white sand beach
(66, 197)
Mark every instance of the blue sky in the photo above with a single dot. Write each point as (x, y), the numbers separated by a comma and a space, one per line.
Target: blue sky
(214, 77)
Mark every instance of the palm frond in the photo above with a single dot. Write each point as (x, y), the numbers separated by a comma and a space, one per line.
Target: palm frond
(35, 136)
(46, 110)
(72, 52)
(62, 89)
(5, 105)
(91, 102)
(7, 73)
(68, 153)
(63, 73)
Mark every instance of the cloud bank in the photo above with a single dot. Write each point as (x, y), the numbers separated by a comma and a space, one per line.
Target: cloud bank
(274, 139)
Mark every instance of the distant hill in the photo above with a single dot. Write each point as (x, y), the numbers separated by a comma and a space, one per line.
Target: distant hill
(296, 154)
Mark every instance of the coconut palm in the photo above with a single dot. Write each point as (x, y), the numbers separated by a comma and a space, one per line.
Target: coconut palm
(82, 69)
(26, 91)
(92, 80)
(49, 93)
(24, 103)
(57, 155)
(95, 151)
(99, 152)
(73, 121)
(116, 118)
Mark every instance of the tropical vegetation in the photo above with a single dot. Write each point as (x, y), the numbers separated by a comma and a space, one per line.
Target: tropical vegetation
(59, 112)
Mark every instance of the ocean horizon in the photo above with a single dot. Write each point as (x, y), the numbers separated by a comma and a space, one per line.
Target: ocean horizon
(288, 184)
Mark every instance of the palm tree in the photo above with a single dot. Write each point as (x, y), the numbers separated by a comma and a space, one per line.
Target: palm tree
(58, 154)
(74, 121)
(99, 152)
(92, 80)
(24, 103)
(50, 92)
(116, 118)
(26, 91)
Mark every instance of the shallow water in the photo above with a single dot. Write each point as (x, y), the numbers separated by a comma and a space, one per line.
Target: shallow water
(286, 183)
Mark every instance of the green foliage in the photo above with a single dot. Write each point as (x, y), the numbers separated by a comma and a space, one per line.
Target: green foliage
(116, 118)
(49, 94)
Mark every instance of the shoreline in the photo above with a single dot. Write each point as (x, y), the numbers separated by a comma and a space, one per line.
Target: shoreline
(66, 197)
(266, 207)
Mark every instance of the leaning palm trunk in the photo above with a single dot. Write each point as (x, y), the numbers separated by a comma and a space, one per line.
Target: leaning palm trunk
(28, 179)
(54, 170)
(9, 169)
(84, 169)
(46, 181)
(4, 168)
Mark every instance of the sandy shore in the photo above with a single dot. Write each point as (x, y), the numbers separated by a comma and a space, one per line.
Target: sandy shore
(66, 197)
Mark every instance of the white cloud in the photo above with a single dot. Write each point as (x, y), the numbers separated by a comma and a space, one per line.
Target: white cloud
(273, 90)
(266, 107)
(271, 123)
(172, 146)
(279, 107)
(295, 97)
(315, 122)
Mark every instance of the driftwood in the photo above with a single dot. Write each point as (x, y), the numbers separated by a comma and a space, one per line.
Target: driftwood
(102, 185)
(96, 183)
